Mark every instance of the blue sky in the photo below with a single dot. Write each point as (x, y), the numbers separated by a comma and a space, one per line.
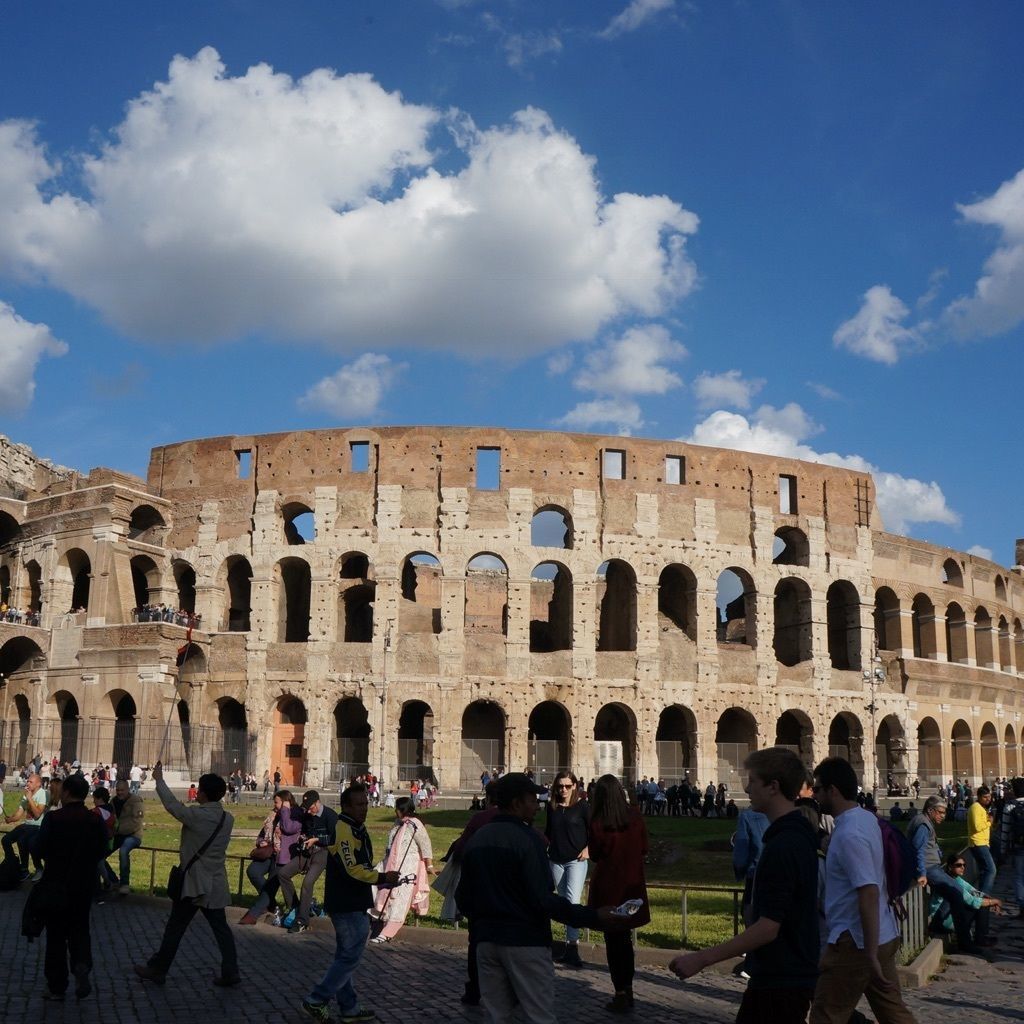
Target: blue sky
(792, 227)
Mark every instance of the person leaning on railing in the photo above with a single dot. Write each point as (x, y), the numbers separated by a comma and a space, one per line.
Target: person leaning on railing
(130, 811)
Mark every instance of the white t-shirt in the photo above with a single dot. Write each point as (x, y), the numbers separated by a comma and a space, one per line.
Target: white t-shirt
(854, 860)
(135, 774)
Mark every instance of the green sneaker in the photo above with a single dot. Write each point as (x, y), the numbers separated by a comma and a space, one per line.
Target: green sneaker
(358, 1014)
(318, 1011)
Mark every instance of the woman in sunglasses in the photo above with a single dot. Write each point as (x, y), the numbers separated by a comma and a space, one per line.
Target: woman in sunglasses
(978, 904)
(568, 821)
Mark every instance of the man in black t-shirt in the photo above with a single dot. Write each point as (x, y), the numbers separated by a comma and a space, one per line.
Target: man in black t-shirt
(782, 943)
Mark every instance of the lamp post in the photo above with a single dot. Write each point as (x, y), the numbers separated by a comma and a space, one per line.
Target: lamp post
(873, 676)
(383, 699)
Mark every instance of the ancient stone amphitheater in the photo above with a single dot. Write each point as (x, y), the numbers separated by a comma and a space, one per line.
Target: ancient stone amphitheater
(431, 602)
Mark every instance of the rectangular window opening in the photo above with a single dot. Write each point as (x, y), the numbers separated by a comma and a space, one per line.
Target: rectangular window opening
(359, 452)
(614, 464)
(675, 469)
(244, 463)
(787, 495)
(488, 469)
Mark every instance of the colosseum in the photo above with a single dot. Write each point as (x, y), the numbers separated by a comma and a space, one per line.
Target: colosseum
(431, 602)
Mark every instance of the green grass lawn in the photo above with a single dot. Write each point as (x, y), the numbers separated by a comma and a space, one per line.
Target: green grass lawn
(683, 852)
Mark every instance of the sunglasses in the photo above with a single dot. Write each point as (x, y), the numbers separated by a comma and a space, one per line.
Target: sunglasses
(566, 785)
(959, 864)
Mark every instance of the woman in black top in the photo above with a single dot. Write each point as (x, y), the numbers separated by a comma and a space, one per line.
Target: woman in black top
(568, 821)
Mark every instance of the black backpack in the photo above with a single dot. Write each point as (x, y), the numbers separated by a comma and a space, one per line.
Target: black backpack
(10, 874)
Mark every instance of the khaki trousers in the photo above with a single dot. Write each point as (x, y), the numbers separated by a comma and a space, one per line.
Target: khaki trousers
(845, 976)
(517, 973)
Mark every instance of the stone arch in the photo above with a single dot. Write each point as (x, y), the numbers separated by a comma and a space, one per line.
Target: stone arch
(1005, 645)
(551, 613)
(1000, 588)
(6, 597)
(145, 580)
(1012, 757)
(549, 735)
(233, 748)
(185, 585)
(737, 607)
(956, 634)
(10, 530)
(1018, 645)
(35, 586)
(420, 608)
(23, 730)
(676, 744)
(842, 603)
(74, 577)
(929, 752)
(795, 731)
(70, 720)
(989, 753)
(289, 740)
(923, 627)
(237, 573)
(294, 591)
(416, 741)
(615, 741)
(17, 657)
(962, 749)
(891, 753)
(125, 714)
(486, 604)
(792, 619)
(357, 592)
(735, 738)
(146, 525)
(551, 527)
(846, 740)
(351, 740)
(298, 522)
(483, 741)
(617, 606)
(952, 574)
(791, 547)
(677, 600)
(888, 622)
(983, 645)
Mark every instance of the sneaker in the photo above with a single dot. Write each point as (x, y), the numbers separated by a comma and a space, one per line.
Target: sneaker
(36, 876)
(358, 1014)
(379, 940)
(298, 927)
(318, 1011)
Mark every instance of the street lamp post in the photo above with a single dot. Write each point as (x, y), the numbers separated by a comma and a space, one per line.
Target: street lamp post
(873, 676)
(383, 700)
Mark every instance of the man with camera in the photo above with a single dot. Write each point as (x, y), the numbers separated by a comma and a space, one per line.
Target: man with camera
(319, 823)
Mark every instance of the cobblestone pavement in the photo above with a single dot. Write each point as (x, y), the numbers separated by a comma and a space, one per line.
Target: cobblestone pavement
(410, 982)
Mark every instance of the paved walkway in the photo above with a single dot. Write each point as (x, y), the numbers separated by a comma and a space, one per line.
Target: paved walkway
(412, 982)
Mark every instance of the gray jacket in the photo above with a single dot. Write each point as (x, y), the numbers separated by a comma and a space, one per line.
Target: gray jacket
(925, 841)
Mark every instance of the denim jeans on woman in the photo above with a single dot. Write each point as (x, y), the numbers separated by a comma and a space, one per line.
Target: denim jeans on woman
(351, 930)
(569, 879)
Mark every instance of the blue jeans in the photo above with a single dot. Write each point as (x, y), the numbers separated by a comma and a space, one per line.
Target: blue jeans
(986, 868)
(351, 930)
(568, 879)
(125, 845)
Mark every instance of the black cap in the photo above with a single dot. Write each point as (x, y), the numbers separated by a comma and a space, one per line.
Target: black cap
(514, 785)
(310, 797)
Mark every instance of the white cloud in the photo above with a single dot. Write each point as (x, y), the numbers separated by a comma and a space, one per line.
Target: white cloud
(355, 390)
(559, 363)
(22, 345)
(997, 304)
(622, 414)
(315, 209)
(980, 552)
(901, 500)
(636, 13)
(876, 331)
(730, 389)
(632, 364)
(823, 391)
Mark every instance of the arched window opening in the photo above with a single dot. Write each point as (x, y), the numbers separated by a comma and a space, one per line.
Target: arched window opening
(735, 738)
(790, 547)
(843, 612)
(1000, 588)
(299, 523)
(616, 602)
(891, 756)
(1005, 646)
(67, 709)
(234, 738)
(793, 642)
(676, 744)
(929, 753)
(1012, 759)
(922, 620)
(185, 730)
(956, 634)
(356, 596)
(486, 607)
(5, 586)
(1018, 644)
(550, 608)
(289, 741)
(420, 610)
(737, 608)
(185, 584)
(677, 600)
(548, 741)
(239, 587)
(145, 581)
(416, 742)
(615, 742)
(146, 525)
(983, 639)
(483, 742)
(24, 729)
(963, 750)
(18, 655)
(989, 754)
(351, 738)
(10, 531)
(952, 574)
(123, 751)
(551, 527)
(355, 566)
(79, 570)
(888, 626)
(795, 732)
(294, 589)
(35, 586)
(846, 740)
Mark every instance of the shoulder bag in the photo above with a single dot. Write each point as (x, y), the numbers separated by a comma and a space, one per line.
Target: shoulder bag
(176, 878)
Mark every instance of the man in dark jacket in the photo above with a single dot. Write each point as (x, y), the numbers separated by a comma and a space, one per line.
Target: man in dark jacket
(347, 897)
(318, 824)
(72, 841)
(507, 891)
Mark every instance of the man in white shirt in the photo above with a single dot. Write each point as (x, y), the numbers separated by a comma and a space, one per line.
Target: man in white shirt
(135, 778)
(863, 938)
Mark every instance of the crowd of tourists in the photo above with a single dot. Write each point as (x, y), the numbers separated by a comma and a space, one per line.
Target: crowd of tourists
(18, 616)
(167, 613)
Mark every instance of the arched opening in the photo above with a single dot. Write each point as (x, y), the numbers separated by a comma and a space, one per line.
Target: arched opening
(185, 584)
(843, 612)
(550, 608)
(239, 591)
(677, 600)
(486, 607)
(125, 712)
(922, 620)
(356, 596)
(676, 744)
(1000, 589)
(989, 753)
(483, 742)
(737, 608)
(351, 738)
(548, 732)
(1018, 645)
(67, 709)
(793, 641)
(790, 547)
(963, 750)
(35, 586)
(78, 567)
(1012, 759)
(888, 624)
(289, 740)
(23, 736)
(846, 740)
(185, 730)
(416, 742)
(551, 527)
(615, 742)
(956, 634)
(234, 737)
(10, 530)
(295, 585)
(5, 586)
(616, 602)
(952, 574)
(1005, 646)
(17, 656)
(146, 525)
(735, 738)
(795, 732)
(420, 608)
(983, 639)
(299, 523)
(145, 581)
(929, 752)
(891, 755)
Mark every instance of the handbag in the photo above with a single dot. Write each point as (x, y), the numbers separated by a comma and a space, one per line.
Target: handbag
(176, 877)
(262, 852)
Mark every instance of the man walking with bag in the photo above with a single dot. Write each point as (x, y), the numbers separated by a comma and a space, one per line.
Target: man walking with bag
(200, 881)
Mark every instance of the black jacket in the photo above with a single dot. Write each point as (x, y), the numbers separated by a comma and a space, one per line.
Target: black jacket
(320, 826)
(72, 840)
(350, 872)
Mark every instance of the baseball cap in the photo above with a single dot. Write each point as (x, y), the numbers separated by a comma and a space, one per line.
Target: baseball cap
(310, 797)
(514, 785)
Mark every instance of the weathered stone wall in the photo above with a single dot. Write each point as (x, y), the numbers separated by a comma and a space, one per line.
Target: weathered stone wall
(24, 475)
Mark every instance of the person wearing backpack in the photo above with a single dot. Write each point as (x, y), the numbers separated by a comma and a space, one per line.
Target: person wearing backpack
(1011, 837)
(863, 936)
